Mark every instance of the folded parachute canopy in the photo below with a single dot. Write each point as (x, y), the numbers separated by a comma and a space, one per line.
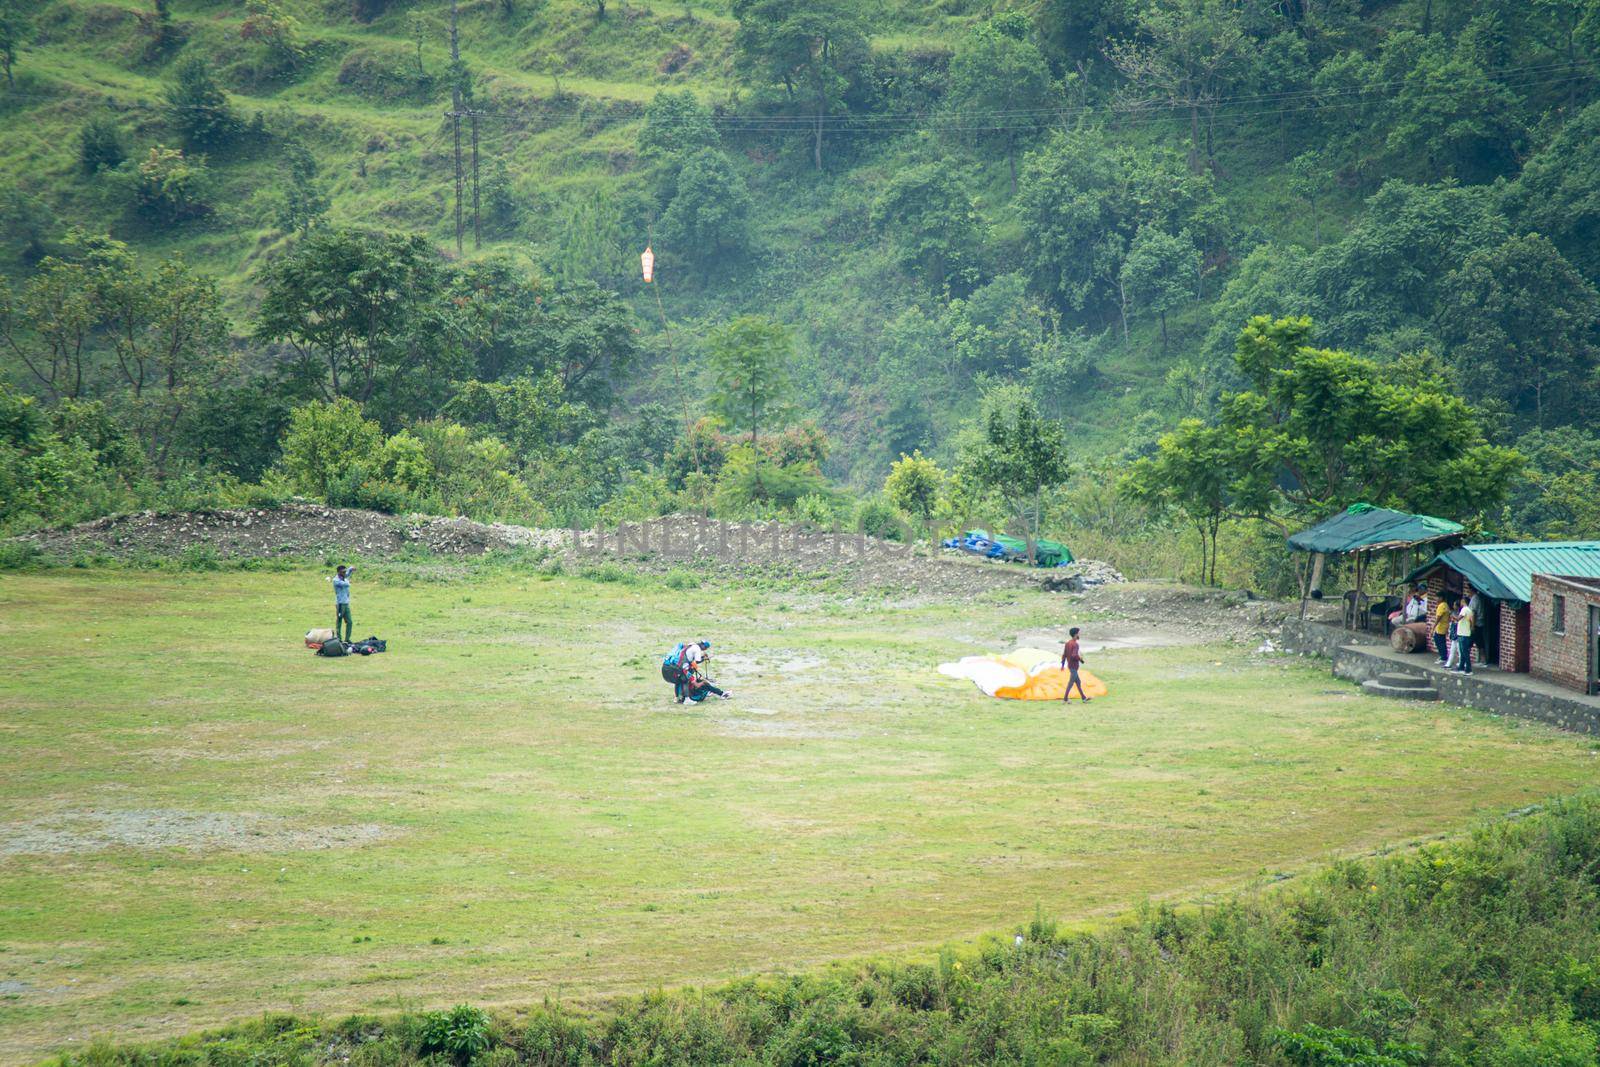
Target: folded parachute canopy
(1026, 674)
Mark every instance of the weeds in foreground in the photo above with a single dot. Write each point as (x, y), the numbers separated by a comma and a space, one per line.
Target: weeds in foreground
(1480, 951)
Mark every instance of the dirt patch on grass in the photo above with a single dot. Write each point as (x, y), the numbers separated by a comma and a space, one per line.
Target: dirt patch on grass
(163, 828)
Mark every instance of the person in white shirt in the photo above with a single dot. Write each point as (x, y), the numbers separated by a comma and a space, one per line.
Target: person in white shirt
(1417, 606)
(1466, 621)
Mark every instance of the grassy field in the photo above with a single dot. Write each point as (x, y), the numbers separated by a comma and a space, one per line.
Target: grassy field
(203, 821)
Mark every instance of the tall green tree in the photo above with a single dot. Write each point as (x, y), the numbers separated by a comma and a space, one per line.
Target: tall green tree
(1184, 55)
(931, 221)
(749, 362)
(1558, 191)
(1198, 473)
(813, 48)
(708, 221)
(1327, 429)
(1015, 454)
(365, 306)
(14, 29)
(1523, 326)
(998, 68)
(197, 107)
(1158, 275)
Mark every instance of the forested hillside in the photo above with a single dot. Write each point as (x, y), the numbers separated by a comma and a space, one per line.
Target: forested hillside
(1022, 237)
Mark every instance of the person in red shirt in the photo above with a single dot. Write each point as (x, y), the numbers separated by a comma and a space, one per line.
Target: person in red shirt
(1071, 659)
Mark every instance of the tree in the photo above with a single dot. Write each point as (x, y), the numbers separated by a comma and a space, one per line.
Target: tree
(914, 484)
(586, 336)
(1157, 275)
(931, 221)
(676, 126)
(358, 303)
(1326, 429)
(49, 326)
(1558, 191)
(198, 108)
(1311, 180)
(1082, 200)
(997, 67)
(1196, 472)
(503, 209)
(304, 200)
(708, 218)
(1523, 326)
(749, 362)
(100, 145)
(14, 28)
(999, 329)
(419, 29)
(813, 46)
(1014, 453)
(324, 441)
(1389, 270)
(276, 35)
(1183, 56)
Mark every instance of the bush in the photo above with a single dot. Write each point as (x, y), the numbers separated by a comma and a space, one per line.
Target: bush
(198, 108)
(876, 517)
(460, 1033)
(170, 186)
(330, 446)
(100, 146)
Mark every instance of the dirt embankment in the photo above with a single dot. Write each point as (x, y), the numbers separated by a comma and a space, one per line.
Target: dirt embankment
(292, 530)
(846, 562)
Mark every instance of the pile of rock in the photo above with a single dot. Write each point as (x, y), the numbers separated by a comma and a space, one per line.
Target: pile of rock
(1093, 572)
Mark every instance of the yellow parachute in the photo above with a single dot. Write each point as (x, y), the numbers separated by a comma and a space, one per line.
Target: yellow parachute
(1026, 674)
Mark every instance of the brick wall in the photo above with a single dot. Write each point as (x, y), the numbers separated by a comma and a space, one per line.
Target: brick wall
(1561, 658)
(1509, 637)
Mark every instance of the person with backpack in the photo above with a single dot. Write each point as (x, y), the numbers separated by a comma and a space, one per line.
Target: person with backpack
(683, 667)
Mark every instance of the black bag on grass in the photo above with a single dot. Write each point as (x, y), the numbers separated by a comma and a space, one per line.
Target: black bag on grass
(334, 647)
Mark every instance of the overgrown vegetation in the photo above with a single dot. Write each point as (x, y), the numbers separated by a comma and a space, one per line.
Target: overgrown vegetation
(1475, 952)
(1076, 206)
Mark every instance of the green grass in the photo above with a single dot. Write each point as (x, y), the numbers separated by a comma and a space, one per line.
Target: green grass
(507, 805)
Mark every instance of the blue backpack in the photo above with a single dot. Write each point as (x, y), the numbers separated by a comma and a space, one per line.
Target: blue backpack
(672, 666)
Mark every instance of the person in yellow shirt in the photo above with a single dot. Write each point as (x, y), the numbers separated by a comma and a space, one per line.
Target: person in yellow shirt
(1441, 629)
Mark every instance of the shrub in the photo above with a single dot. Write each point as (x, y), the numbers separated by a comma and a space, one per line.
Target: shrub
(100, 146)
(170, 186)
(330, 445)
(460, 1033)
(876, 517)
(198, 108)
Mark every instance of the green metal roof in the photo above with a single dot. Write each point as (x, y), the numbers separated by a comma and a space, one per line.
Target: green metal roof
(1505, 572)
(1362, 527)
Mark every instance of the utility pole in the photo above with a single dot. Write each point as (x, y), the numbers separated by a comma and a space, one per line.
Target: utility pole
(477, 237)
(455, 112)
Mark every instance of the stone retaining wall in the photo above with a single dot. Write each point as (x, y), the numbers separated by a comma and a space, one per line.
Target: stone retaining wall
(1498, 694)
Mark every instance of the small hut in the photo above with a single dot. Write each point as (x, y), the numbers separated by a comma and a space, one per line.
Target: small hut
(1503, 574)
(1362, 531)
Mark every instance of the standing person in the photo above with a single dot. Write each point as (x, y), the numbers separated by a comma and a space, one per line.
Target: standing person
(341, 602)
(1466, 626)
(1441, 628)
(1071, 660)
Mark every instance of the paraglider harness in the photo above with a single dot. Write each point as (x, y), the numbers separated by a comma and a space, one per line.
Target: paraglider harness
(686, 680)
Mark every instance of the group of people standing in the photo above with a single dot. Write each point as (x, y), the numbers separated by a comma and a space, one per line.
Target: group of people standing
(1456, 620)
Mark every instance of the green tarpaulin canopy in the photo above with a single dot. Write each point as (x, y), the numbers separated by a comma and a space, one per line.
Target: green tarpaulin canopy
(1363, 528)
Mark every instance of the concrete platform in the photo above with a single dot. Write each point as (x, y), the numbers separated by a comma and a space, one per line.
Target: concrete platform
(1361, 659)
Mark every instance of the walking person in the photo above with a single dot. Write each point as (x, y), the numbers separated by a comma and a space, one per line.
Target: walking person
(1466, 624)
(1071, 660)
(341, 603)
